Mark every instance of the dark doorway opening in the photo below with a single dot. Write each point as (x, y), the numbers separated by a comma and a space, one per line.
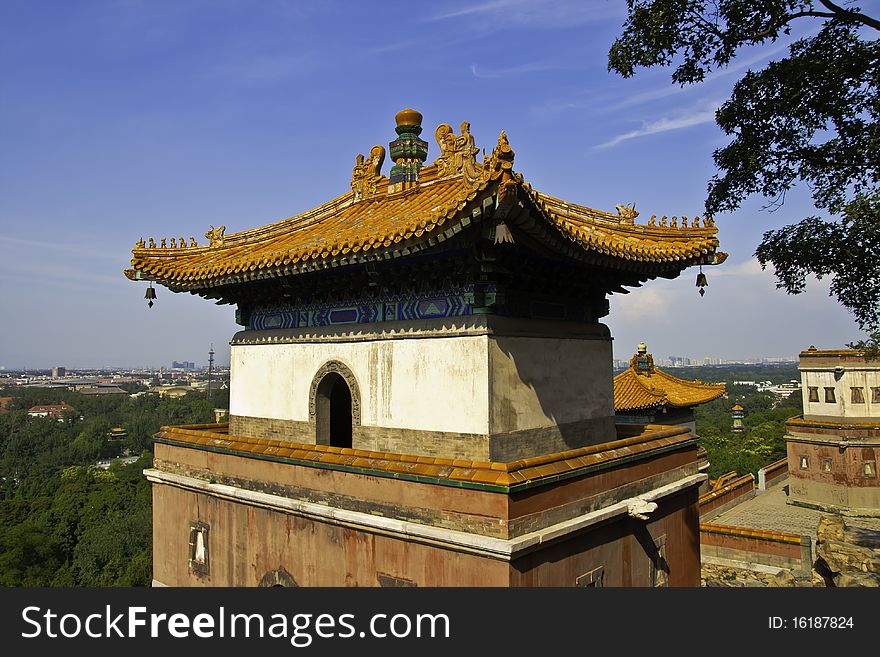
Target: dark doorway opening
(333, 411)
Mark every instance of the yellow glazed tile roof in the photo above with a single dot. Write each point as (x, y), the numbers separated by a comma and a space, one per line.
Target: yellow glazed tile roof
(390, 222)
(641, 388)
(631, 441)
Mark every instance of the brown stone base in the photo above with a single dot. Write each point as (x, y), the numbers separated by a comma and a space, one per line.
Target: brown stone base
(271, 428)
(501, 447)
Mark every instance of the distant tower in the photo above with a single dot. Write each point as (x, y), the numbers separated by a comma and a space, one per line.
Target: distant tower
(210, 368)
(738, 413)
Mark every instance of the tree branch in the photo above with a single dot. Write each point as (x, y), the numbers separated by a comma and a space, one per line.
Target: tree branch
(709, 27)
(840, 12)
(790, 17)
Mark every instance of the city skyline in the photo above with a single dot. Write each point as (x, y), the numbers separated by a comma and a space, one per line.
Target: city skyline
(129, 122)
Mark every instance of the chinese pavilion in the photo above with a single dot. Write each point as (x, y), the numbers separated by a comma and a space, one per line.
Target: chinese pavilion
(645, 394)
(421, 392)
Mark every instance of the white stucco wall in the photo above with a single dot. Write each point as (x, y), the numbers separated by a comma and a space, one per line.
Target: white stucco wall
(541, 382)
(861, 377)
(404, 383)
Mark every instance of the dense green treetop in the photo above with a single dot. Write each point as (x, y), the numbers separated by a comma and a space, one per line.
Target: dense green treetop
(810, 117)
(64, 521)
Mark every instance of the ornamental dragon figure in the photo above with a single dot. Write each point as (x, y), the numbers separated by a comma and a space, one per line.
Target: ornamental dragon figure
(366, 173)
(215, 235)
(627, 213)
(457, 152)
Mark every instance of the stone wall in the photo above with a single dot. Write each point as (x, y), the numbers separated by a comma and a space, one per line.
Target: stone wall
(770, 474)
(737, 491)
(846, 557)
(770, 550)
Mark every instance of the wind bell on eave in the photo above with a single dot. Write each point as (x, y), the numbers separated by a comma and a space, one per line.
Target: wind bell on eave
(701, 281)
(151, 294)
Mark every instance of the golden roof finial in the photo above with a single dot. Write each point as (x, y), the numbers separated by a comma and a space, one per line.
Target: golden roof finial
(408, 116)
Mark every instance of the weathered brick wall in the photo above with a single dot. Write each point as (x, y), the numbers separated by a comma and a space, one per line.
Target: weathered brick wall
(271, 428)
(737, 491)
(773, 473)
(768, 548)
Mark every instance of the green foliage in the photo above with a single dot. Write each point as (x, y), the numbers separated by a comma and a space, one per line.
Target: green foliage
(64, 521)
(92, 527)
(810, 117)
(763, 440)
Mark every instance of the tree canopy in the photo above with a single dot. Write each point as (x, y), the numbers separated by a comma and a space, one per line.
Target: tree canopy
(811, 117)
(65, 521)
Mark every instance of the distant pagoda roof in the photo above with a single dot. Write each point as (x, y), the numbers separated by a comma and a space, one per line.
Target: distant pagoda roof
(643, 386)
(417, 208)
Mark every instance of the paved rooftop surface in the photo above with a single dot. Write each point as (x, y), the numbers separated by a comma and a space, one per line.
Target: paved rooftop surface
(769, 510)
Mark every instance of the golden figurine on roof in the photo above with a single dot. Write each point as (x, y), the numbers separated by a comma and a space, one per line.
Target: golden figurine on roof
(366, 173)
(458, 154)
(627, 213)
(215, 235)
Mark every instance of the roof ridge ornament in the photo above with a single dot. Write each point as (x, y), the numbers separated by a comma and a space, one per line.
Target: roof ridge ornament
(642, 361)
(366, 174)
(627, 213)
(408, 151)
(215, 235)
(457, 153)
(503, 152)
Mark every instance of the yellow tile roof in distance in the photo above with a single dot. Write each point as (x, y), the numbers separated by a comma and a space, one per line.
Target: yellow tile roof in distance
(355, 227)
(642, 388)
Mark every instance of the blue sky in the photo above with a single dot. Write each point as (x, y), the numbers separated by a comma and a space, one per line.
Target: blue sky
(127, 118)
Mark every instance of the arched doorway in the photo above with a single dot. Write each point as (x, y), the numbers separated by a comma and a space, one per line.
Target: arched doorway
(334, 405)
(333, 413)
(276, 578)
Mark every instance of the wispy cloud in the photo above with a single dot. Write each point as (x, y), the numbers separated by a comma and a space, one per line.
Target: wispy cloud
(534, 67)
(61, 274)
(664, 124)
(483, 8)
(78, 249)
(621, 100)
(394, 47)
(496, 14)
(266, 68)
(749, 267)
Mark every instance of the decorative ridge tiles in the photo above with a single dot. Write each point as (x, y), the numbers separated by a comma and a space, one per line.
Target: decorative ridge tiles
(761, 534)
(799, 421)
(647, 439)
(358, 226)
(635, 390)
(342, 229)
(619, 236)
(831, 352)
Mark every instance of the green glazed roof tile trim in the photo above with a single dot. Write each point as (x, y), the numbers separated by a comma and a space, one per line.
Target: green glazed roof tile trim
(487, 476)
